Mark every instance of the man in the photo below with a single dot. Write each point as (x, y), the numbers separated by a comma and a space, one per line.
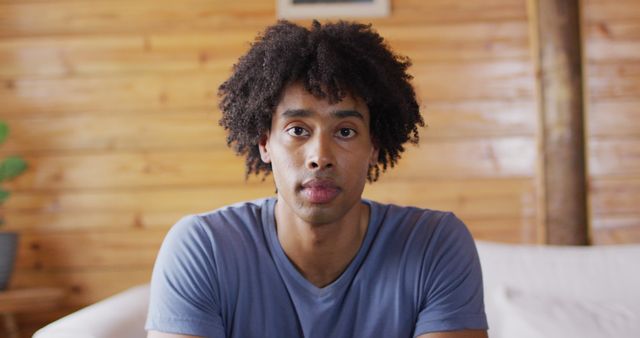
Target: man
(324, 109)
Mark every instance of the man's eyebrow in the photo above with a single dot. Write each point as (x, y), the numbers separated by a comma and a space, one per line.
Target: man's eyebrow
(296, 113)
(337, 114)
(347, 113)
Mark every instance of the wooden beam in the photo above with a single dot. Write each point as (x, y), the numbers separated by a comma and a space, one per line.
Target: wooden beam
(562, 170)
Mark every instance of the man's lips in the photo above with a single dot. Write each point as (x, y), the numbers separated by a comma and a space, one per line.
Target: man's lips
(320, 191)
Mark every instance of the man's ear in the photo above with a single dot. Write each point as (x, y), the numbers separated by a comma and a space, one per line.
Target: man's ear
(373, 160)
(263, 146)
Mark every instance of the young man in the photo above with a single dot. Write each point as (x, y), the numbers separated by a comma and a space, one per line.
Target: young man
(324, 109)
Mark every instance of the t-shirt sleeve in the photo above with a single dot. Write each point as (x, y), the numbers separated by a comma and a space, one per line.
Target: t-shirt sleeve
(453, 294)
(184, 292)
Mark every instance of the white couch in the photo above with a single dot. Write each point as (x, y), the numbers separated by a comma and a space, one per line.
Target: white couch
(530, 291)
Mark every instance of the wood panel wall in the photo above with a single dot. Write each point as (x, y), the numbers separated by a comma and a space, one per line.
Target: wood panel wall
(612, 59)
(113, 104)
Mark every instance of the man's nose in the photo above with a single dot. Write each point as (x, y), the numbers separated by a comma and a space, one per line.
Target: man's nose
(320, 153)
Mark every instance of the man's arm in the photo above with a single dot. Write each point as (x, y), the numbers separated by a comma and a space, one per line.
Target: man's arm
(183, 293)
(453, 305)
(456, 334)
(156, 334)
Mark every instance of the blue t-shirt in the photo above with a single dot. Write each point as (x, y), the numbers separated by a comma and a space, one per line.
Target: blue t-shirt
(224, 274)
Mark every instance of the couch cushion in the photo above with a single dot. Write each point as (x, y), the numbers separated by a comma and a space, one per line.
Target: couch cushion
(595, 273)
(528, 315)
(120, 316)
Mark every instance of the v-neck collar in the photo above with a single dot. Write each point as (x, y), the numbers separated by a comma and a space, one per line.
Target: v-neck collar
(289, 271)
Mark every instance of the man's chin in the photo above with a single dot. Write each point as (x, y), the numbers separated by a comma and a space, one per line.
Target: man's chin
(319, 214)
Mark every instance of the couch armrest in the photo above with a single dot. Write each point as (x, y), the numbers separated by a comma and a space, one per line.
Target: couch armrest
(122, 315)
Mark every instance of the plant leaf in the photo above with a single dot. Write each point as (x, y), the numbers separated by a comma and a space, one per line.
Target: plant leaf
(4, 195)
(11, 167)
(4, 131)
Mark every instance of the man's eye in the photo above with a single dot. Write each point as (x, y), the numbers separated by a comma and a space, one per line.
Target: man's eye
(297, 131)
(346, 133)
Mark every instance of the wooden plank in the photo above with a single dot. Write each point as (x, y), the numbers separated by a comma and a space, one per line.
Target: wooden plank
(130, 170)
(16, 300)
(505, 80)
(610, 39)
(619, 10)
(194, 128)
(44, 212)
(32, 322)
(463, 52)
(153, 92)
(411, 12)
(615, 196)
(618, 235)
(608, 51)
(44, 222)
(84, 287)
(556, 25)
(610, 157)
(89, 249)
(454, 32)
(608, 222)
(88, 17)
(468, 41)
(617, 228)
(72, 17)
(615, 80)
(121, 54)
(27, 97)
(508, 230)
(188, 199)
(611, 30)
(454, 158)
(477, 199)
(464, 41)
(507, 157)
(614, 118)
(462, 119)
(198, 128)
(28, 330)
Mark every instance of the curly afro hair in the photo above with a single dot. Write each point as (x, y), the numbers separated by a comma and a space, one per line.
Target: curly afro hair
(331, 61)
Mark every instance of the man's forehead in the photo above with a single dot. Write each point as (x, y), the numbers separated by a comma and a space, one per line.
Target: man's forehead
(297, 90)
(297, 101)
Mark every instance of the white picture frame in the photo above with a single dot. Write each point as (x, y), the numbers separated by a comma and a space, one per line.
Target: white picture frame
(317, 9)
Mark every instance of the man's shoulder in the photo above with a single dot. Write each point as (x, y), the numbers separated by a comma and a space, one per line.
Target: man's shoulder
(230, 220)
(404, 213)
(239, 209)
(417, 222)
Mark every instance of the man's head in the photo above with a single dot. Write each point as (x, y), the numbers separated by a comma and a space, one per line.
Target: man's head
(330, 62)
(320, 153)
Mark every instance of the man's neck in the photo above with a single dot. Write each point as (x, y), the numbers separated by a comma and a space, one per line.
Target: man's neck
(321, 252)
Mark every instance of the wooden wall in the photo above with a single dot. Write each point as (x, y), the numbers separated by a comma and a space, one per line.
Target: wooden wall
(113, 104)
(612, 64)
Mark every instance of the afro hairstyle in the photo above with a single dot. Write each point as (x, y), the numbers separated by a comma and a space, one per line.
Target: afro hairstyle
(331, 60)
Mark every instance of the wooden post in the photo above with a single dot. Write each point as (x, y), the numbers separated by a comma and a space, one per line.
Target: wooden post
(562, 169)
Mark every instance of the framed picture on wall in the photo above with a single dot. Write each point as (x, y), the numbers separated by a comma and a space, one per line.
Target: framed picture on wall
(312, 9)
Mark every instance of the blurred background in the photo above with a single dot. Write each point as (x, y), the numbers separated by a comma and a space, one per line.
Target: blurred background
(113, 104)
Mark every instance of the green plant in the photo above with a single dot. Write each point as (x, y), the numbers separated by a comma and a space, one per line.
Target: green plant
(10, 167)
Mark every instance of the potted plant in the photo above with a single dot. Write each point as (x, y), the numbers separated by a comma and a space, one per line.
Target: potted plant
(10, 167)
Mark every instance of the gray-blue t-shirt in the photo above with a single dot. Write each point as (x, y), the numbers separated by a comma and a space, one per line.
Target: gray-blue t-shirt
(224, 274)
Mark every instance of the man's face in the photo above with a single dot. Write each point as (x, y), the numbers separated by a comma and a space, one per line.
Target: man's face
(320, 154)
